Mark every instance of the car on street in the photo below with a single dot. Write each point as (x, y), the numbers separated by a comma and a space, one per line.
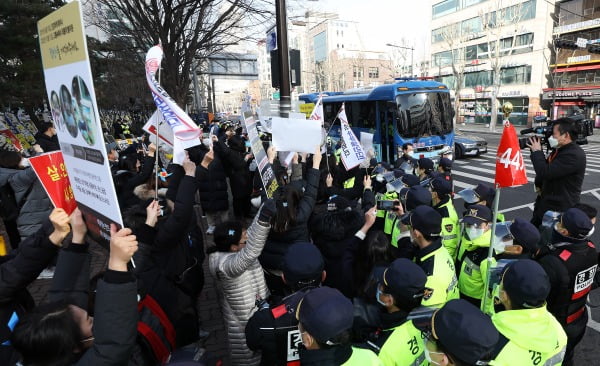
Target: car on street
(468, 145)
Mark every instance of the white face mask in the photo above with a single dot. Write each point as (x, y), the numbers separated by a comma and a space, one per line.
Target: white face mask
(410, 153)
(553, 142)
(428, 356)
(24, 162)
(500, 246)
(474, 233)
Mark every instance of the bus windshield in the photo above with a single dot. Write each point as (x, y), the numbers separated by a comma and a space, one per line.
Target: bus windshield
(424, 114)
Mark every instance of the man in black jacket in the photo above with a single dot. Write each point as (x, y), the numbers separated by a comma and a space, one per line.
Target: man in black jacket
(560, 176)
(46, 137)
(274, 329)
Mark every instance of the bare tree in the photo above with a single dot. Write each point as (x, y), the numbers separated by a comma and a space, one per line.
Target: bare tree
(186, 29)
(455, 44)
(499, 25)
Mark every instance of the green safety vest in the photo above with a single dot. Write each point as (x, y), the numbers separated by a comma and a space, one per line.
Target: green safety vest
(404, 347)
(493, 292)
(450, 229)
(389, 216)
(470, 277)
(349, 183)
(337, 154)
(442, 280)
(500, 217)
(397, 233)
(535, 338)
(362, 357)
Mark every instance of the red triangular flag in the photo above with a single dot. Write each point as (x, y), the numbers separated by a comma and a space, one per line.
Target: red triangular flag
(510, 169)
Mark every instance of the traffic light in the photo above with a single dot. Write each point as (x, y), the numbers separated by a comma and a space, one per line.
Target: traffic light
(565, 44)
(594, 48)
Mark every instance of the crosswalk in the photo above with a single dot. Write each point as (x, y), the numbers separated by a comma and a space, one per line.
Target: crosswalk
(467, 173)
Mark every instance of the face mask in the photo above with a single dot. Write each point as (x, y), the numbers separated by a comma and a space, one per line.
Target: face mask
(428, 357)
(591, 231)
(474, 233)
(410, 154)
(24, 162)
(377, 295)
(500, 246)
(553, 142)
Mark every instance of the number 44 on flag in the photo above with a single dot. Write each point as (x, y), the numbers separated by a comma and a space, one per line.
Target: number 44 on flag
(510, 169)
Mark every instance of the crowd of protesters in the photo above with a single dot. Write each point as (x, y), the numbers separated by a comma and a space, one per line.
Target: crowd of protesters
(369, 266)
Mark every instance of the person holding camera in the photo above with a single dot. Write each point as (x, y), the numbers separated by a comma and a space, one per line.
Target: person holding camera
(559, 176)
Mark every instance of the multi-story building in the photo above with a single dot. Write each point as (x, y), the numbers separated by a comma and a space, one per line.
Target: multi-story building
(464, 36)
(575, 77)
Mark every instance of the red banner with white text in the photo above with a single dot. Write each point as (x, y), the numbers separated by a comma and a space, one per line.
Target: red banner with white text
(51, 171)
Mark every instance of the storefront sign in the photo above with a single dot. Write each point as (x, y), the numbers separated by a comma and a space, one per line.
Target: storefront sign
(578, 25)
(571, 60)
(572, 94)
(511, 93)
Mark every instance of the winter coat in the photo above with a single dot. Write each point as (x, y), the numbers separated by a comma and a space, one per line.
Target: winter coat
(169, 263)
(212, 186)
(47, 143)
(115, 309)
(17, 271)
(126, 195)
(560, 178)
(340, 176)
(278, 242)
(240, 281)
(36, 205)
(332, 233)
(236, 169)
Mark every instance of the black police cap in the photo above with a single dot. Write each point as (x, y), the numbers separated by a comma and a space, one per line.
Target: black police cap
(425, 219)
(325, 313)
(302, 262)
(526, 284)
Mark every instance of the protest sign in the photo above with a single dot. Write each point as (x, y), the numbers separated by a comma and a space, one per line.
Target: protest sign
(164, 134)
(51, 170)
(307, 108)
(69, 85)
(299, 135)
(352, 153)
(264, 167)
(366, 141)
(9, 141)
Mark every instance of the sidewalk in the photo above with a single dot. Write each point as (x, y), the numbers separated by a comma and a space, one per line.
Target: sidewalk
(481, 128)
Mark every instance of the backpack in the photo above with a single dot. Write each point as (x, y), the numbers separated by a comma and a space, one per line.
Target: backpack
(9, 207)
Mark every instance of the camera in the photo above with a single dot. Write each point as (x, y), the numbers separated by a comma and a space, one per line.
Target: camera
(583, 127)
(386, 205)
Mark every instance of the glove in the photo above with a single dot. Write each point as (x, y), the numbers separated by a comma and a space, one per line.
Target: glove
(267, 210)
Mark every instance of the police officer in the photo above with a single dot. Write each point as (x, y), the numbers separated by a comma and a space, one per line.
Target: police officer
(472, 250)
(400, 289)
(512, 240)
(431, 256)
(274, 330)
(460, 335)
(440, 195)
(325, 321)
(480, 195)
(530, 335)
(411, 198)
(570, 264)
(407, 157)
(424, 168)
(445, 168)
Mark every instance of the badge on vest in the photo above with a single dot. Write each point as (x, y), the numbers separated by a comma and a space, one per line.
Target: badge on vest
(293, 343)
(584, 279)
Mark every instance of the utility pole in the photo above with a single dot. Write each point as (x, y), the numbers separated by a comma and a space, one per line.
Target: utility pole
(285, 101)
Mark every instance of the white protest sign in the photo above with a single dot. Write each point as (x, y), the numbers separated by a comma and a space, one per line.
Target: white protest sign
(298, 135)
(165, 133)
(366, 141)
(69, 84)
(352, 153)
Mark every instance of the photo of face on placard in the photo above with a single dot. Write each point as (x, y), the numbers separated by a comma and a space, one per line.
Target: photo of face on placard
(56, 112)
(83, 107)
(66, 104)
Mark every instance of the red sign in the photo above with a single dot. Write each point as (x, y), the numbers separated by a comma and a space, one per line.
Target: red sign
(510, 169)
(51, 171)
(12, 139)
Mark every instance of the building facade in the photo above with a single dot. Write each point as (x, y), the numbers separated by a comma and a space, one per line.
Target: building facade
(464, 37)
(575, 78)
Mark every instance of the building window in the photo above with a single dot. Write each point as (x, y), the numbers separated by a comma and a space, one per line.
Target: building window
(472, 25)
(373, 73)
(444, 8)
(516, 75)
(357, 72)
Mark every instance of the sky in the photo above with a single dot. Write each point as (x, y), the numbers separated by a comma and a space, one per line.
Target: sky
(381, 21)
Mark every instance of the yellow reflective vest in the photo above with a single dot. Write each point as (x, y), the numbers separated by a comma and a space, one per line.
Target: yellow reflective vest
(404, 347)
(450, 227)
(471, 254)
(441, 275)
(535, 338)
(362, 357)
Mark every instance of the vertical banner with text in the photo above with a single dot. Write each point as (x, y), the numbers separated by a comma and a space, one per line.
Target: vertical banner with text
(267, 175)
(51, 171)
(72, 98)
(352, 152)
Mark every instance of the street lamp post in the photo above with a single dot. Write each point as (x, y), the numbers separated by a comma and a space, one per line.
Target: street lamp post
(285, 101)
(412, 54)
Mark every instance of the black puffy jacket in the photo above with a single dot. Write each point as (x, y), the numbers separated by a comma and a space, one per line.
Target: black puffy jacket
(212, 186)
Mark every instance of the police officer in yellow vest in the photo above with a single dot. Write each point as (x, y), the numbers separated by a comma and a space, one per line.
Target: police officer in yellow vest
(473, 249)
(400, 289)
(411, 198)
(348, 184)
(416, 197)
(440, 195)
(512, 240)
(325, 321)
(530, 335)
(459, 334)
(482, 194)
(424, 223)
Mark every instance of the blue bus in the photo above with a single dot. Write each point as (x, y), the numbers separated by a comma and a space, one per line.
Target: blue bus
(410, 110)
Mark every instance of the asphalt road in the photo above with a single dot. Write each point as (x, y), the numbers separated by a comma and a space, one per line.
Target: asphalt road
(518, 202)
